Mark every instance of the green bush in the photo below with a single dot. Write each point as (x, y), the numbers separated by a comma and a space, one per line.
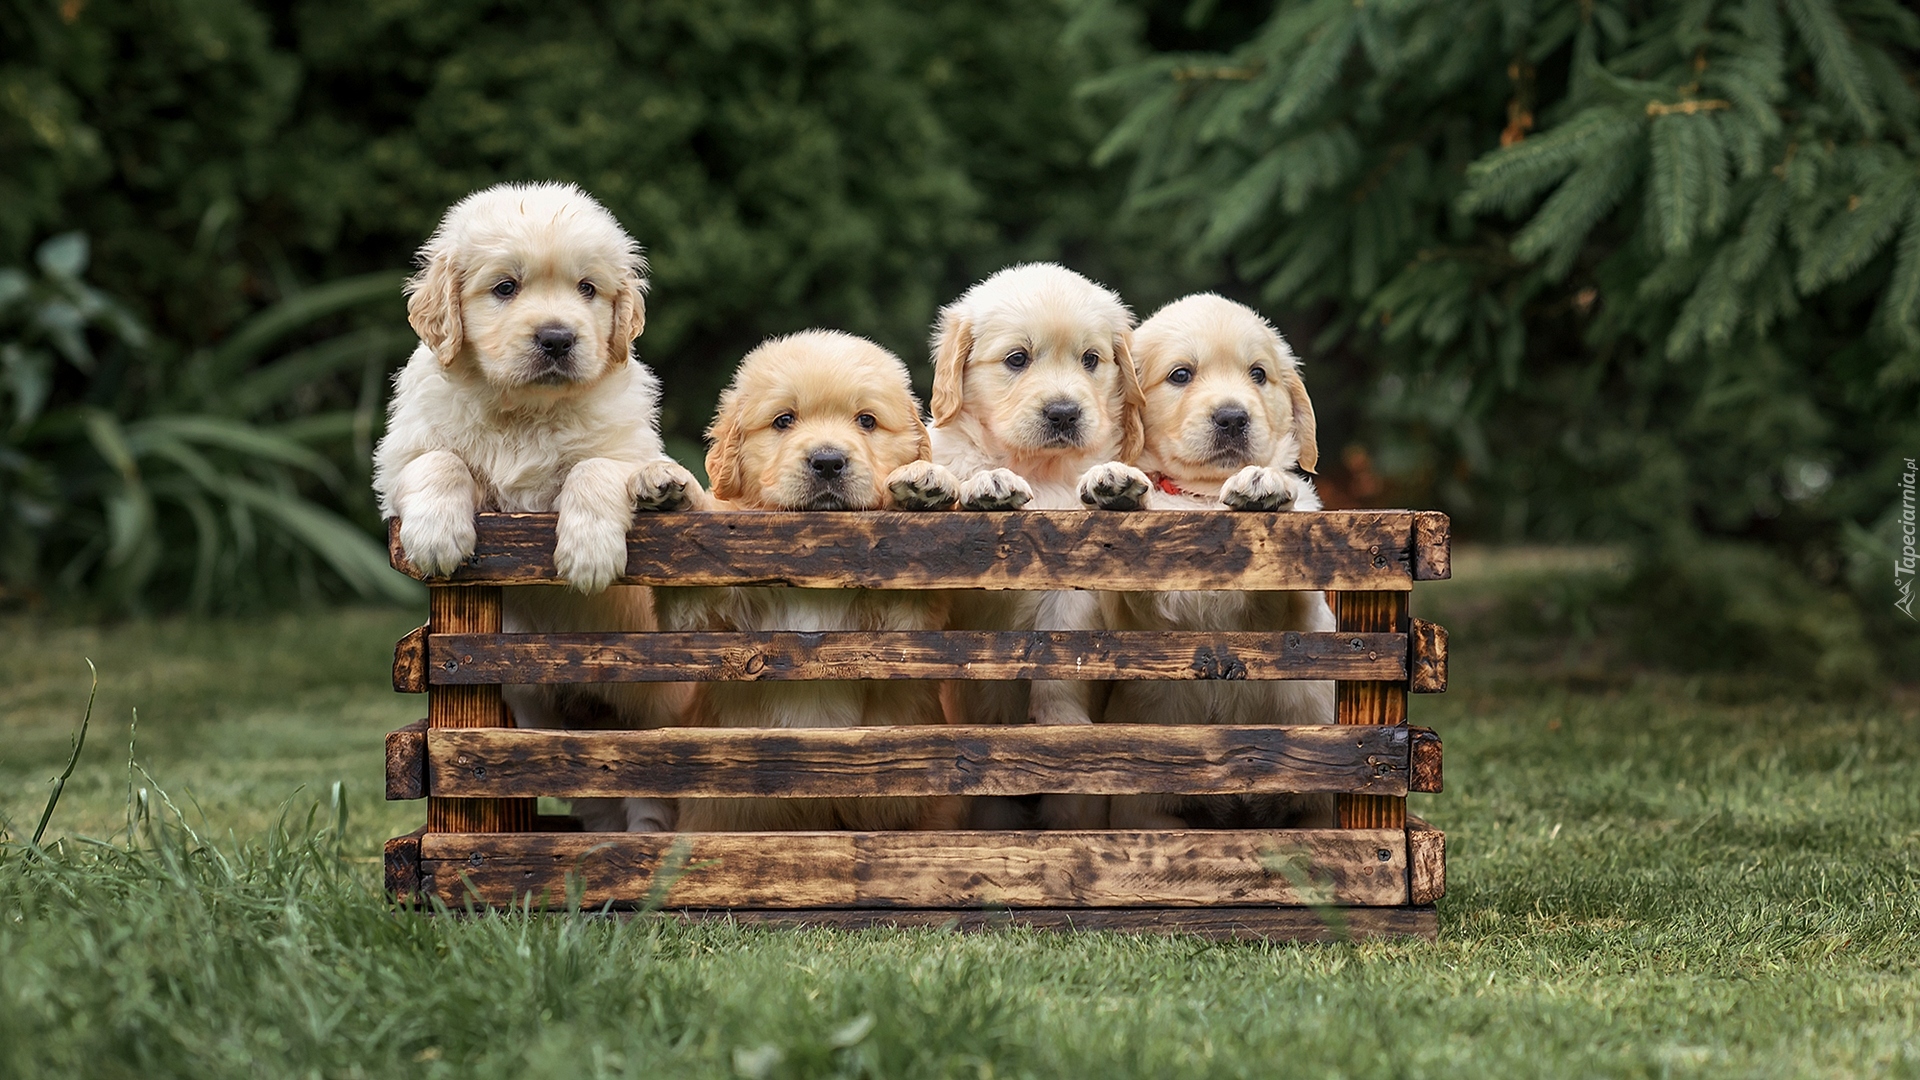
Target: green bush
(1616, 270)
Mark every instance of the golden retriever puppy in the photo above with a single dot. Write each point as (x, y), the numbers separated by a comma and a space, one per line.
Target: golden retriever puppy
(524, 395)
(1033, 387)
(1227, 420)
(817, 421)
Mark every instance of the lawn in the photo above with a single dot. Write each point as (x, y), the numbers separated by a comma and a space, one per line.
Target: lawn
(1649, 874)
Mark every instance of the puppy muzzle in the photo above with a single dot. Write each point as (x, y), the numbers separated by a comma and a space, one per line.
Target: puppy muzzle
(1062, 424)
(550, 360)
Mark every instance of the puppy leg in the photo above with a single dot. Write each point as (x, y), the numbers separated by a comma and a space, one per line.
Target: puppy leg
(1257, 487)
(436, 498)
(649, 815)
(595, 510)
(1065, 701)
(995, 489)
(922, 485)
(1114, 486)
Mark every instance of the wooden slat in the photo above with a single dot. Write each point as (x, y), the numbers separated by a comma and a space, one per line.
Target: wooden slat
(1103, 759)
(1371, 702)
(1209, 923)
(1052, 549)
(708, 656)
(1427, 656)
(407, 762)
(1432, 546)
(1425, 772)
(401, 867)
(1426, 862)
(923, 869)
(410, 662)
(469, 610)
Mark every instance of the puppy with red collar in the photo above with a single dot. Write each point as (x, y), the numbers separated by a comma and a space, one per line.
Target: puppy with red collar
(1227, 422)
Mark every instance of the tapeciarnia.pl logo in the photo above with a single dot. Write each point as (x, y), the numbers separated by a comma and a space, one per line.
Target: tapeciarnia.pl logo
(1903, 567)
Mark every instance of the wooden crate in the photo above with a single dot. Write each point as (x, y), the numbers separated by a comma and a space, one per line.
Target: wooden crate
(1378, 874)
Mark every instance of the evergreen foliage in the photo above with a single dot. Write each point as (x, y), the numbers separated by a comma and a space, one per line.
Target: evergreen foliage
(1618, 270)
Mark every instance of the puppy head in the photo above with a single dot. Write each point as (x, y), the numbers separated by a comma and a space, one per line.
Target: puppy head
(814, 421)
(1040, 358)
(1223, 391)
(534, 287)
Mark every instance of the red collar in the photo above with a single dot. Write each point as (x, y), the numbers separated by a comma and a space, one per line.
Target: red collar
(1165, 483)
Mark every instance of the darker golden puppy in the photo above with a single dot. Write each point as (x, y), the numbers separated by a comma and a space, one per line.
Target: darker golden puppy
(817, 421)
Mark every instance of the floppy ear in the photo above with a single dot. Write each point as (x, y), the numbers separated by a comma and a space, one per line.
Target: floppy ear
(433, 307)
(629, 316)
(923, 447)
(1303, 422)
(1133, 400)
(951, 348)
(723, 459)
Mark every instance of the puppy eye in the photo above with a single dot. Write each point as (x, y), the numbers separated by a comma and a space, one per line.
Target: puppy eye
(1018, 359)
(1090, 359)
(506, 288)
(587, 290)
(1180, 376)
(783, 421)
(867, 421)
(1259, 375)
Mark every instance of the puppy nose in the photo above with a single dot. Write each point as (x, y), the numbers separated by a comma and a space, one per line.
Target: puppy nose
(1230, 421)
(555, 341)
(827, 463)
(1061, 415)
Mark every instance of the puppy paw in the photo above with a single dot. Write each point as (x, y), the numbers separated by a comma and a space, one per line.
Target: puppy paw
(995, 489)
(1257, 487)
(663, 485)
(437, 544)
(590, 554)
(651, 815)
(1114, 486)
(922, 485)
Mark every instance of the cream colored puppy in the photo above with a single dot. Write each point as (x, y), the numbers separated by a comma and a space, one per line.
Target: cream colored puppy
(817, 421)
(1033, 387)
(1227, 419)
(523, 395)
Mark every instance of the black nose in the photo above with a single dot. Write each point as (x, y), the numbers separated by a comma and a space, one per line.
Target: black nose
(1230, 421)
(827, 463)
(1062, 416)
(555, 341)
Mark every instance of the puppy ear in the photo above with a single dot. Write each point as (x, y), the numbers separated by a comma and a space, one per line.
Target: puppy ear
(1303, 422)
(951, 348)
(723, 459)
(629, 316)
(1133, 400)
(923, 448)
(433, 307)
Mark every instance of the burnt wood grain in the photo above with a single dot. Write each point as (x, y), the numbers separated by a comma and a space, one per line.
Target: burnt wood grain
(1371, 702)
(401, 868)
(713, 656)
(1208, 923)
(410, 662)
(1426, 862)
(894, 870)
(469, 610)
(1432, 546)
(1425, 774)
(1027, 549)
(407, 762)
(1427, 656)
(1103, 759)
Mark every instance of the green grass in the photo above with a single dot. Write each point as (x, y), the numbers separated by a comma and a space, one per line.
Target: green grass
(1650, 875)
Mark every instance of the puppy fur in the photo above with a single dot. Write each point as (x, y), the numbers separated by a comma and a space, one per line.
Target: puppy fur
(523, 395)
(1227, 420)
(1033, 385)
(819, 420)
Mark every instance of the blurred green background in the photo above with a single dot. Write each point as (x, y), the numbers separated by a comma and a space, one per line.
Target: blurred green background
(1643, 275)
